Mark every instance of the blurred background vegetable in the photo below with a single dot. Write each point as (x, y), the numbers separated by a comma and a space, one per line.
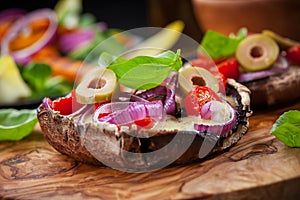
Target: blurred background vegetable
(47, 44)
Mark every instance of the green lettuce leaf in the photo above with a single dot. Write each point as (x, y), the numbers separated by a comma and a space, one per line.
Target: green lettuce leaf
(36, 76)
(16, 124)
(287, 128)
(40, 80)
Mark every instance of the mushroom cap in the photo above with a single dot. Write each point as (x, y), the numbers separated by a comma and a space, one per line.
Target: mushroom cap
(275, 90)
(78, 141)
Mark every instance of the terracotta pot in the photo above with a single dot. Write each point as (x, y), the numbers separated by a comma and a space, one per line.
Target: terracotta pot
(227, 16)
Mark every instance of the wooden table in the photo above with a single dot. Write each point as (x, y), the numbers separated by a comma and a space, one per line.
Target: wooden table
(258, 167)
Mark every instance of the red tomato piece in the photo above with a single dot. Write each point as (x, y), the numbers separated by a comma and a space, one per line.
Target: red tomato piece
(197, 97)
(66, 105)
(222, 82)
(63, 105)
(97, 105)
(146, 122)
(102, 115)
(293, 55)
(230, 68)
(203, 62)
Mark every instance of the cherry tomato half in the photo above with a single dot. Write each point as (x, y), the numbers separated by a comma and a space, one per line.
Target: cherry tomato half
(230, 68)
(293, 55)
(197, 97)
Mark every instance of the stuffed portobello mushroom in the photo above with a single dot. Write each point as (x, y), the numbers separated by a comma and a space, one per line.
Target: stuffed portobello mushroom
(265, 62)
(144, 116)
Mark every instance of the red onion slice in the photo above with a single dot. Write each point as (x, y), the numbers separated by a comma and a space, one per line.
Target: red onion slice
(165, 91)
(280, 66)
(129, 97)
(22, 56)
(169, 103)
(46, 103)
(206, 112)
(221, 118)
(11, 14)
(126, 112)
(102, 26)
(73, 40)
(153, 93)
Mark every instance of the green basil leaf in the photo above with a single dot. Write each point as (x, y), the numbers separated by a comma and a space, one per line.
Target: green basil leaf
(218, 45)
(146, 72)
(287, 128)
(16, 124)
(153, 75)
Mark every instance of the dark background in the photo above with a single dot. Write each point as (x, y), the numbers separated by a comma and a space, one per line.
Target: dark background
(117, 13)
(125, 14)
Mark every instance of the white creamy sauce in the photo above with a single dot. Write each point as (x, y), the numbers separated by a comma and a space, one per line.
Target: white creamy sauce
(185, 123)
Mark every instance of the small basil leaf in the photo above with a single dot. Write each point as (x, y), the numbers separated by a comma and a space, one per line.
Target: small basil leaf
(287, 128)
(107, 59)
(177, 62)
(16, 124)
(87, 20)
(242, 33)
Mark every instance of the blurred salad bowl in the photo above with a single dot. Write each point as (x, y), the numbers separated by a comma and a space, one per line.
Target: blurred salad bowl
(227, 16)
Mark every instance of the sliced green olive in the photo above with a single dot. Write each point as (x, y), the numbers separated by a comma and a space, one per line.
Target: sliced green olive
(257, 52)
(282, 41)
(97, 86)
(190, 76)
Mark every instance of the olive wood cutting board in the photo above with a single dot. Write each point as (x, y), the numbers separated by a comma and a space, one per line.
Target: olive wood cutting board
(257, 167)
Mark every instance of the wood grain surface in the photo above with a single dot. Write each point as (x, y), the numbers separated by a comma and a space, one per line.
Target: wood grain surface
(258, 167)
